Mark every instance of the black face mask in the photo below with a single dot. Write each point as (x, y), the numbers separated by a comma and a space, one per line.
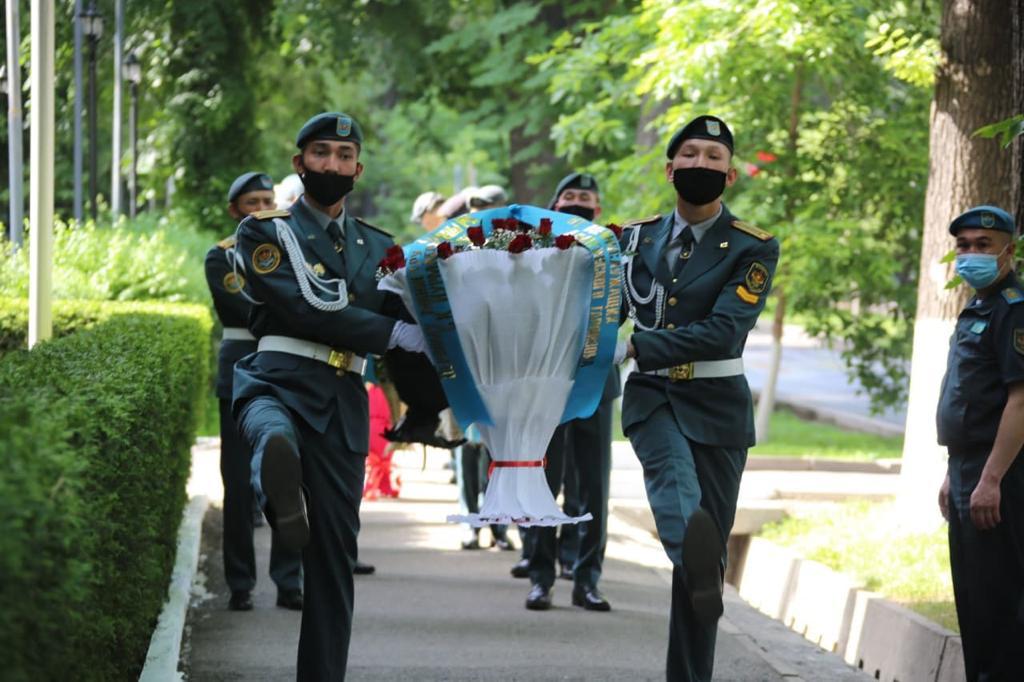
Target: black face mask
(585, 212)
(698, 186)
(327, 189)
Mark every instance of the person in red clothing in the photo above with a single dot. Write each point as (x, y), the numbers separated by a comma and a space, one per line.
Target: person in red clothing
(379, 481)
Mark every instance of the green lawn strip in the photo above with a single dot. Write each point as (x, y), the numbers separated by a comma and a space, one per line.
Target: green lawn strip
(866, 541)
(791, 436)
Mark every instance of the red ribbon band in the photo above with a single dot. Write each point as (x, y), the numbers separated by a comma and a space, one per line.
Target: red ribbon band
(516, 464)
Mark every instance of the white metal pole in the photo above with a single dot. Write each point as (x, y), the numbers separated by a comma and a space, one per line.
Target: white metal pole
(15, 127)
(40, 319)
(77, 154)
(115, 133)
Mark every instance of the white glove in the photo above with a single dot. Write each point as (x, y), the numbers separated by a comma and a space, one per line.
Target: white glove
(620, 353)
(407, 337)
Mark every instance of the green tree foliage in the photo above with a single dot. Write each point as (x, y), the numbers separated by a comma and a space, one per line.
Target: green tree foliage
(829, 103)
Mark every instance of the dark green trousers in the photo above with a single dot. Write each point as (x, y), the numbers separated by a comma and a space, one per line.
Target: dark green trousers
(988, 572)
(588, 443)
(333, 477)
(239, 555)
(681, 475)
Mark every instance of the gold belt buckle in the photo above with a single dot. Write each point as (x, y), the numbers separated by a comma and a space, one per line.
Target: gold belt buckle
(681, 372)
(340, 359)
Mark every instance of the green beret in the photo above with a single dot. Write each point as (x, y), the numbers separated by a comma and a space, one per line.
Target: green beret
(330, 125)
(985, 217)
(701, 128)
(249, 182)
(574, 181)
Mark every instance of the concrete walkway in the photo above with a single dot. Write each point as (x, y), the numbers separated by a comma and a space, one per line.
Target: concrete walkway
(434, 612)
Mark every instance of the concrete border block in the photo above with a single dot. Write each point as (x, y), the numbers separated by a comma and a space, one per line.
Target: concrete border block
(821, 604)
(165, 644)
(894, 644)
(952, 668)
(767, 579)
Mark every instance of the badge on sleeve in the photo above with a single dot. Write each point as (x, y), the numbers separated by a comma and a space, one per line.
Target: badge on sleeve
(233, 282)
(266, 258)
(757, 278)
(1018, 340)
(746, 296)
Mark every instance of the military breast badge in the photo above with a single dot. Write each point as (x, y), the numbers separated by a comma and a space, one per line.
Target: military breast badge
(266, 258)
(233, 282)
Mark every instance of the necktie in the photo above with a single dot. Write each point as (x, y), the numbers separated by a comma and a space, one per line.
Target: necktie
(679, 250)
(337, 238)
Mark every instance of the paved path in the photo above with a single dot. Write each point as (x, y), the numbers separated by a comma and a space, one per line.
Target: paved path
(434, 612)
(811, 375)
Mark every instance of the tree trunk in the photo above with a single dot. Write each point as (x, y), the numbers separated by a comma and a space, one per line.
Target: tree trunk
(1017, 173)
(766, 401)
(970, 92)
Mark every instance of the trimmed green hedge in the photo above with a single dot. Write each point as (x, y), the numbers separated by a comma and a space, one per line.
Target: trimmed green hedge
(95, 430)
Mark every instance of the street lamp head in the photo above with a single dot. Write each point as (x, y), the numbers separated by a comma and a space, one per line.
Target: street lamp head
(92, 22)
(132, 69)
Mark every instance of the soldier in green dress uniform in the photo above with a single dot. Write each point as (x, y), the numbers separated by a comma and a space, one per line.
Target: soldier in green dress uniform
(696, 279)
(249, 193)
(299, 400)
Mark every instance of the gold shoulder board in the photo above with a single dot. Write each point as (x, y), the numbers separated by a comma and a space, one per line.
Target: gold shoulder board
(374, 227)
(643, 221)
(271, 213)
(227, 242)
(753, 231)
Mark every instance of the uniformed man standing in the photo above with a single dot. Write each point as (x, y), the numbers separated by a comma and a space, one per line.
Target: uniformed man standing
(249, 193)
(580, 454)
(981, 422)
(300, 400)
(696, 280)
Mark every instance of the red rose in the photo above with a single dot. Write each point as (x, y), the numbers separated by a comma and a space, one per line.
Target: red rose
(499, 224)
(444, 249)
(616, 229)
(520, 243)
(476, 235)
(384, 264)
(395, 257)
(564, 241)
(545, 227)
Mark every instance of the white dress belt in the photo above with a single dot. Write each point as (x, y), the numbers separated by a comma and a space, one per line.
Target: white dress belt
(237, 334)
(701, 369)
(341, 359)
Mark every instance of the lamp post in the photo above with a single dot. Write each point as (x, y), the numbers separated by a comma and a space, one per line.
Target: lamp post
(133, 74)
(15, 126)
(92, 27)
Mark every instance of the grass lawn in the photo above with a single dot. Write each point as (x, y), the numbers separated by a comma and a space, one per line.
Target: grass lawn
(864, 540)
(791, 436)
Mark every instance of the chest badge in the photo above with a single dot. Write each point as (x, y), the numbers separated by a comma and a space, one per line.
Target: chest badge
(233, 283)
(265, 258)
(978, 327)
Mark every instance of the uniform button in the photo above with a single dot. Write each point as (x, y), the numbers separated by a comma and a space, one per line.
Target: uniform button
(670, 326)
(672, 300)
(351, 297)
(674, 280)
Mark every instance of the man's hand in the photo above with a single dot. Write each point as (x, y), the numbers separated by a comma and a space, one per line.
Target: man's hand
(985, 504)
(944, 498)
(407, 337)
(623, 350)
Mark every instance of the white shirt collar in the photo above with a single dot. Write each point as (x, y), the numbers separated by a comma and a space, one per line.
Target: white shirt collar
(699, 229)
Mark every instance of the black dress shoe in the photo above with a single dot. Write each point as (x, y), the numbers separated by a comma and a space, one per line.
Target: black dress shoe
(290, 599)
(472, 540)
(364, 569)
(503, 543)
(521, 569)
(702, 556)
(281, 477)
(539, 598)
(241, 600)
(589, 598)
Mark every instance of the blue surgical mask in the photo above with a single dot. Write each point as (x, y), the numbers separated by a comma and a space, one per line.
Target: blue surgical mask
(978, 269)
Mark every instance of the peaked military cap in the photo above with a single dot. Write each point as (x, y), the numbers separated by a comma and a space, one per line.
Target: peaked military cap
(701, 128)
(985, 217)
(574, 181)
(249, 182)
(330, 125)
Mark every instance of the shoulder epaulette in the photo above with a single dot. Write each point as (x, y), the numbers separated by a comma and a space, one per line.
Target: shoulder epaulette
(373, 227)
(271, 213)
(642, 221)
(753, 231)
(226, 243)
(1013, 295)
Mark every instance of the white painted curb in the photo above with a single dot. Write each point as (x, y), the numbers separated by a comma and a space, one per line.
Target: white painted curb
(165, 644)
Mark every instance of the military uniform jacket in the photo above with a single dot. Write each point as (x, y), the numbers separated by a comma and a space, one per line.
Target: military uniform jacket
(231, 307)
(707, 312)
(313, 389)
(986, 355)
